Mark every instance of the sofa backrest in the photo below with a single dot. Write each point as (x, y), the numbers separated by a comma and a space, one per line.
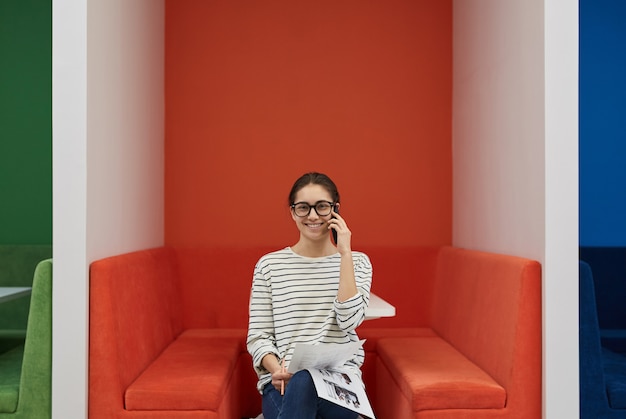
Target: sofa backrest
(609, 278)
(17, 266)
(217, 283)
(134, 303)
(404, 277)
(35, 399)
(489, 307)
(593, 396)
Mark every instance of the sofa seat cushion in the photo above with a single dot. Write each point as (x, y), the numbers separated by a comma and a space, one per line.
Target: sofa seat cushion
(10, 371)
(192, 373)
(615, 378)
(434, 375)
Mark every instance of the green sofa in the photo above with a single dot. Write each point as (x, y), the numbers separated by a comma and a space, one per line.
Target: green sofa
(26, 370)
(17, 265)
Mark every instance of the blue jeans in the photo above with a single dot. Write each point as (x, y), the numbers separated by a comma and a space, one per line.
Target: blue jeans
(301, 402)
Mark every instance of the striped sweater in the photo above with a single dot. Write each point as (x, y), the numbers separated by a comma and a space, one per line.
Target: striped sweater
(294, 299)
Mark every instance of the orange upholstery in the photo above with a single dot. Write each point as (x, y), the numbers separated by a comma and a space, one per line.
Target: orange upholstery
(144, 362)
(190, 374)
(127, 295)
(217, 284)
(374, 335)
(429, 368)
(486, 358)
(168, 327)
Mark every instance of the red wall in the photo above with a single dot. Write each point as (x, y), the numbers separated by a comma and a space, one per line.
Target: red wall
(259, 92)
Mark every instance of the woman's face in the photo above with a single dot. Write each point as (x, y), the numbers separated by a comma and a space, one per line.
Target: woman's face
(313, 226)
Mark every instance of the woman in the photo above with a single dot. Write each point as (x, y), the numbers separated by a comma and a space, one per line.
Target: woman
(311, 292)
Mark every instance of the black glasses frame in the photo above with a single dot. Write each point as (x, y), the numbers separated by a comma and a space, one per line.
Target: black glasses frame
(332, 205)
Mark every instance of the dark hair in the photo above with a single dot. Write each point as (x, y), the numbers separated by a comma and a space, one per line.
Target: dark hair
(315, 179)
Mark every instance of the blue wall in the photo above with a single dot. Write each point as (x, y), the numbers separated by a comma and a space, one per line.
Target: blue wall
(602, 123)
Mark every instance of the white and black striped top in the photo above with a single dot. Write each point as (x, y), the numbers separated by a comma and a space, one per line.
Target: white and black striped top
(294, 299)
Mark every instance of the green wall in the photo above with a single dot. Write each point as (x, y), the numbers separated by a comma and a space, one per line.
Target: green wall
(25, 121)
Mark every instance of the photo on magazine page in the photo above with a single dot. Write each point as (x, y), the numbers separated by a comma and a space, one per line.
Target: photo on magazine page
(344, 389)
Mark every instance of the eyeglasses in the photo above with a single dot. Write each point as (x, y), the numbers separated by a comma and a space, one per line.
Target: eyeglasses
(322, 208)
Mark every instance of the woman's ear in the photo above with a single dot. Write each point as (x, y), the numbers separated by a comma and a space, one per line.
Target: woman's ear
(336, 207)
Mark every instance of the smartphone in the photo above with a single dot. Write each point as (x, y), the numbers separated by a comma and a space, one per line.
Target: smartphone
(332, 229)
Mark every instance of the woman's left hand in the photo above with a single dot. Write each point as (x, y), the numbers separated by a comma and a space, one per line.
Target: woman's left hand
(344, 235)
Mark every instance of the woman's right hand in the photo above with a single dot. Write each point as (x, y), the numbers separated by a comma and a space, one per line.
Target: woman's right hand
(280, 376)
(280, 379)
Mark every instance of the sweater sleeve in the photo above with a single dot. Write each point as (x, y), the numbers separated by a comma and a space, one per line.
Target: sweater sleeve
(351, 312)
(261, 336)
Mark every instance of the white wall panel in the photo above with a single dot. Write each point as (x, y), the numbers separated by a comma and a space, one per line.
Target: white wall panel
(108, 152)
(498, 114)
(125, 126)
(515, 158)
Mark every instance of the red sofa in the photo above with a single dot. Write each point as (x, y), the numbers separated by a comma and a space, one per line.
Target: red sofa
(480, 357)
(168, 326)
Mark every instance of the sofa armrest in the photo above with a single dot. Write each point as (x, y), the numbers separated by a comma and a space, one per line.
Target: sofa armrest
(35, 398)
(17, 267)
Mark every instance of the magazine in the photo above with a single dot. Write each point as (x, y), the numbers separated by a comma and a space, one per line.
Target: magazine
(340, 387)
